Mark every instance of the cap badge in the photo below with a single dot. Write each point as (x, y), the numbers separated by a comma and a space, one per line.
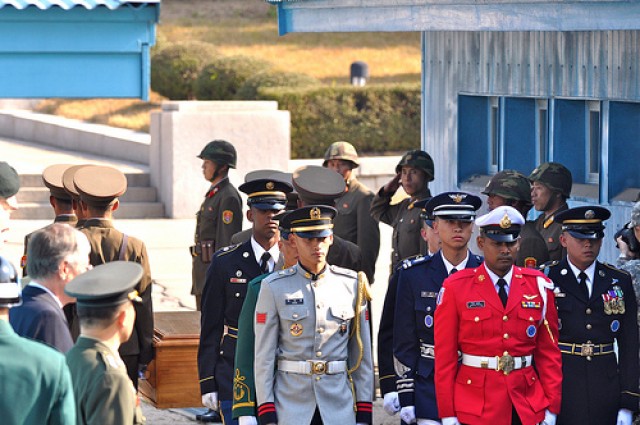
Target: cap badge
(505, 223)
(315, 213)
(457, 197)
(269, 186)
(589, 214)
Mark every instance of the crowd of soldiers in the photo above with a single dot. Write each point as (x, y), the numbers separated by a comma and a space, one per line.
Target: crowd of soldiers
(535, 330)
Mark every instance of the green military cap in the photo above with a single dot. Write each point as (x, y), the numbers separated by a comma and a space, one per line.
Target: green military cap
(318, 185)
(417, 159)
(99, 185)
(583, 222)
(555, 176)
(220, 151)
(106, 285)
(52, 178)
(266, 194)
(314, 221)
(9, 181)
(509, 184)
(67, 181)
(341, 150)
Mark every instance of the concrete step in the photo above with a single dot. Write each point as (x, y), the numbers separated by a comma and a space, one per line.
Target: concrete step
(40, 195)
(130, 210)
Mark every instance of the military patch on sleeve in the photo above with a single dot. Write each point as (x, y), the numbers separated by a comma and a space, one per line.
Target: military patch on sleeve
(261, 318)
(23, 261)
(227, 216)
(440, 296)
(530, 262)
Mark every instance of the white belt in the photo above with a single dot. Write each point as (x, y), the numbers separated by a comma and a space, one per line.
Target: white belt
(505, 363)
(311, 367)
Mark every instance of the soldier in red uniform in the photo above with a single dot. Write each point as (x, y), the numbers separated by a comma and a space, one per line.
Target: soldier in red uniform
(502, 319)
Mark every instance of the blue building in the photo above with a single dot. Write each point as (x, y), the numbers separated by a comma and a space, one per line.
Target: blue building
(514, 84)
(76, 48)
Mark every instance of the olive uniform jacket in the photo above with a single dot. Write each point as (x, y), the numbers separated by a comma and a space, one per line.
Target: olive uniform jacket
(219, 218)
(104, 393)
(105, 242)
(405, 220)
(355, 224)
(34, 382)
(550, 231)
(533, 250)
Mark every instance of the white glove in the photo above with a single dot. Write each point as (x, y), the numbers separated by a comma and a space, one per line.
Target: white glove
(247, 420)
(361, 423)
(427, 422)
(625, 417)
(550, 418)
(408, 414)
(391, 404)
(210, 400)
(451, 420)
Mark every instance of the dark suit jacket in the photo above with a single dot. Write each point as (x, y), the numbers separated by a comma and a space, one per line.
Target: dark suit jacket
(41, 318)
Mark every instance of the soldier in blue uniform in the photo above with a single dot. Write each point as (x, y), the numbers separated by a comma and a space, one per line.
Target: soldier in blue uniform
(596, 308)
(419, 282)
(231, 269)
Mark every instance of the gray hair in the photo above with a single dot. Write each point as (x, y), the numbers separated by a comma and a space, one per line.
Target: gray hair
(635, 214)
(50, 246)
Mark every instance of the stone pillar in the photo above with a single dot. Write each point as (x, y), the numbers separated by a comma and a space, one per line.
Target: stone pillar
(258, 130)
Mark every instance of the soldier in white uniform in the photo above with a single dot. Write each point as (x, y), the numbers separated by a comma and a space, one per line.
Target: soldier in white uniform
(313, 347)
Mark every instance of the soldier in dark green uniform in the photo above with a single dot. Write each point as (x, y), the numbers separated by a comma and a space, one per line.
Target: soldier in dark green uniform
(354, 222)
(60, 201)
(414, 172)
(220, 215)
(105, 296)
(551, 187)
(511, 188)
(70, 188)
(99, 188)
(9, 186)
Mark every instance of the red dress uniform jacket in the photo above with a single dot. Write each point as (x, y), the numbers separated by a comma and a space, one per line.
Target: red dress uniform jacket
(471, 319)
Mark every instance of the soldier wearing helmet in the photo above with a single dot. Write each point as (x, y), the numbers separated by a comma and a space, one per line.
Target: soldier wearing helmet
(511, 188)
(353, 221)
(414, 172)
(220, 214)
(9, 185)
(551, 187)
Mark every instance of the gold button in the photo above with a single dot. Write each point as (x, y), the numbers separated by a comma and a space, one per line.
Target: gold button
(295, 315)
(589, 358)
(317, 378)
(506, 336)
(318, 353)
(588, 311)
(530, 318)
(505, 318)
(320, 330)
(237, 294)
(477, 319)
(533, 378)
(589, 326)
(468, 381)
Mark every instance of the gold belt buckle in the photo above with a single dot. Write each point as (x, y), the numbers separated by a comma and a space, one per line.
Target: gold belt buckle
(587, 349)
(318, 368)
(506, 363)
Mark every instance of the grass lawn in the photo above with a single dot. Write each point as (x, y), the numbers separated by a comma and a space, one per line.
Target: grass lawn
(248, 27)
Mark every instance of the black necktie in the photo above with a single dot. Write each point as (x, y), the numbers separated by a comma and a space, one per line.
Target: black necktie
(502, 292)
(583, 284)
(264, 262)
(453, 270)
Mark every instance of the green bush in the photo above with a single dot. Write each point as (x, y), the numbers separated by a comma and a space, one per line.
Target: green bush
(175, 67)
(222, 78)
(273, 78)
(376, 119)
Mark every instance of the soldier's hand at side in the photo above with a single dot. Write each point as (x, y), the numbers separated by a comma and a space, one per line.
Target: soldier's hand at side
(408, 414)
(391, 404)
(452, 420)
(625, 417)
(393, 184)
(247, 420)
(210, 400)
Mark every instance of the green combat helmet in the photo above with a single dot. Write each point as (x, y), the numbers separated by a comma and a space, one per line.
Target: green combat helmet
(220, 152)
(555, 176)
(341, 150)
(417, 159)
(509, 184)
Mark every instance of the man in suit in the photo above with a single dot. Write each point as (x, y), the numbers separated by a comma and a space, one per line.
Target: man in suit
(100, 188)
(103, 391)
(354, 222)
(596, 308)
(313, 350)
(492, 324)
(232, 268)
(35, 380)
(57, 254)
(419, 282)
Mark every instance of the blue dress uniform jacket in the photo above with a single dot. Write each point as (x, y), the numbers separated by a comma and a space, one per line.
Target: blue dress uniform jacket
(232, 268)
(34, 382)
(41, 318)
(413, 344)
(595, 387)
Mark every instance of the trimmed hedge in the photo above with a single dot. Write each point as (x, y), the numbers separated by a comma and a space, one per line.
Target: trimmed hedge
(273, 78)
(175, 67)
(376, 119)
(223, 77)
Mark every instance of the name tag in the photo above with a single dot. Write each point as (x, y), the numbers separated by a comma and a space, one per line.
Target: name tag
(560, 294)
(237, 280)
(294, 301)
(475, 304)
(428, 294)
